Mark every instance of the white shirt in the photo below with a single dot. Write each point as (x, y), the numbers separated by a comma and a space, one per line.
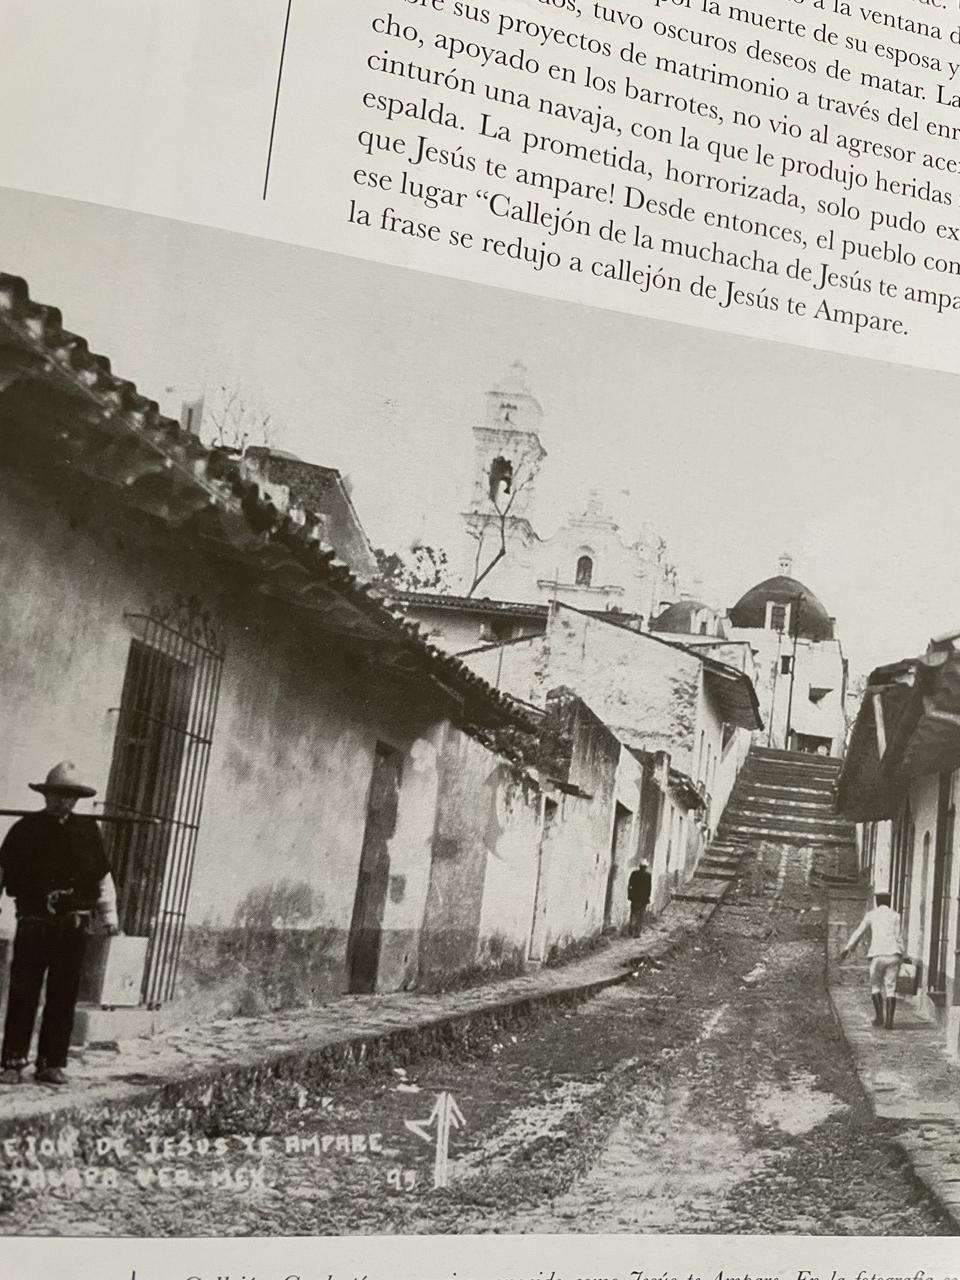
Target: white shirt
(107, 901)
(885, 936)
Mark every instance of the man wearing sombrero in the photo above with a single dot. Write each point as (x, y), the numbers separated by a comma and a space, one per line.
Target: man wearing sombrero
(53, 864)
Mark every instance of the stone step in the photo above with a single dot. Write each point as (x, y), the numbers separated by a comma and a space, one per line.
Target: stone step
(796, 763)
(793, 757)
(821, 813)
(788, 821)
(773, 791)
(833, 881)
(702, 890)
(786, 818)
(790, 777)
(766, 787)
(792, 760)
(789, 803)
(804, 834)
(737, 823)
(792, 836)
(782, 789)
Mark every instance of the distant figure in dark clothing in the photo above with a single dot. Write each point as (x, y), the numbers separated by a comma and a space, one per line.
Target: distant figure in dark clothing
(638, 891)
(53, 863)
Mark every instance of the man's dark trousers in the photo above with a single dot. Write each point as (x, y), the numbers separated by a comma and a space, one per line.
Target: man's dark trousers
(53, 947)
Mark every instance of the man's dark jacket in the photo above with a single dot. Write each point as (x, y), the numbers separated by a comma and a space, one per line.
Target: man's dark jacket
(44, 855)
(638, 887)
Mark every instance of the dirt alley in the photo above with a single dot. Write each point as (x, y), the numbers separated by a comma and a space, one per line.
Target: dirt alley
(711, 1095)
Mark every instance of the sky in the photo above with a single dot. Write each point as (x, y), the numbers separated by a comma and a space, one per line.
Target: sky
(734, 450)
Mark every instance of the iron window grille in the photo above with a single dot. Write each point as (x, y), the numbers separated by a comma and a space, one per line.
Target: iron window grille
(159, 770)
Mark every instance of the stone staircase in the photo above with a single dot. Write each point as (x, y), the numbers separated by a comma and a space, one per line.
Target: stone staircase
(787, 797)
(781, 797)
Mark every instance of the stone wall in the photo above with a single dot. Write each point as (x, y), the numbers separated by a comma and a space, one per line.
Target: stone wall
(647, 692)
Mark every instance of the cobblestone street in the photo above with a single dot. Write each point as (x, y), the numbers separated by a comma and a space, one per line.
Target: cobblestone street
(713, 1094)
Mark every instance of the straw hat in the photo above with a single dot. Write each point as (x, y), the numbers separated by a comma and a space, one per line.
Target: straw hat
(63, 777)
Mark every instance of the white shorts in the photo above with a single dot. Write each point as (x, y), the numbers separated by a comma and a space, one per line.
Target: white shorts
(883, 974)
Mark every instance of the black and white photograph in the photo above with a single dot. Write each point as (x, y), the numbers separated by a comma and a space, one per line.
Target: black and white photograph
(473, 763)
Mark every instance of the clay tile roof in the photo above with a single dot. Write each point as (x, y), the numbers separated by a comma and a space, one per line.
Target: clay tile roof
(33, 334)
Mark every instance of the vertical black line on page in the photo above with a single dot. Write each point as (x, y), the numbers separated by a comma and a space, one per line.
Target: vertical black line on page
(276, 99)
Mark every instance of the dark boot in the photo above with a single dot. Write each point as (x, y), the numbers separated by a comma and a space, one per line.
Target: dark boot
(890, 1007)
(877, 1009)
(50, 1075)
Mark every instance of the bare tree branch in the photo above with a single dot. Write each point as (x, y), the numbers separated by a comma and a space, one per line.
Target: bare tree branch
(502, 498)
(237, 422)
(424, 568)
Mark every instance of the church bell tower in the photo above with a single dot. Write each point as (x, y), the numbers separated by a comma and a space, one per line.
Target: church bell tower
(508, 454)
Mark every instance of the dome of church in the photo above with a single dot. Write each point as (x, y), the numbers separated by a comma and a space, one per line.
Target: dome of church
(753, 608)
(682, 618)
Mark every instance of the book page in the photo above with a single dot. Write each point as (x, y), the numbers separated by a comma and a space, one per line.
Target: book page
(479, 673)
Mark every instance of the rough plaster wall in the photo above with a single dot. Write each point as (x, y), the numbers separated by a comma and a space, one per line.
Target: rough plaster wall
(629, 793)
(295, 742)
(772, 694)
(649, 691)
(693, 845)
(666, 853)
(573, 879)
(580, 852)
(458, 631)
(63, 644)
(924, 799)
(681, 844)
(285, 801)
(410, 851)
(736, 654)
(635, 684)
(506, 914)
(818, 664)
(720, 781)
(465, 827)
(451, 631)
(296, 727)
(516, 667)
(951, 890)
(482, 870)
(654, 821)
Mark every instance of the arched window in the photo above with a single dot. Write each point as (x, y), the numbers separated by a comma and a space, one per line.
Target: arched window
(584, 571)
(500, 477)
